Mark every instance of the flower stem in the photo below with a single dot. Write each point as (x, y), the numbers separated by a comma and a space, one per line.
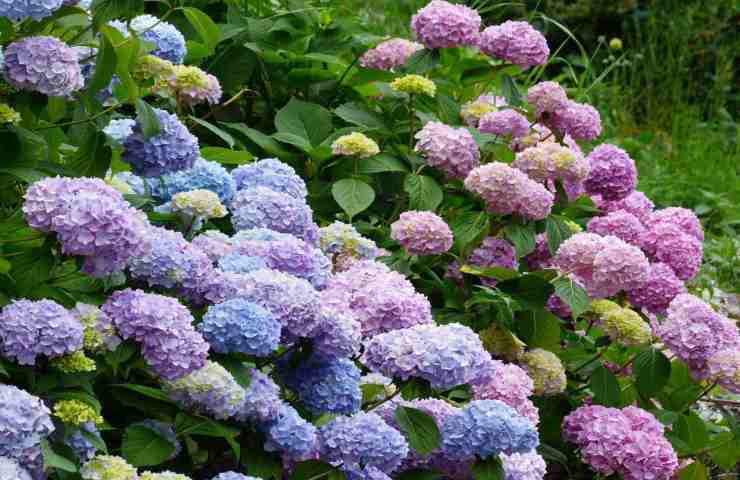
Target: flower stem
(411, 122)
(589, 362)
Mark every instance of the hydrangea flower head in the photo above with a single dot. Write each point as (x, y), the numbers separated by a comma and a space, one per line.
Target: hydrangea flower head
(75, 412)
(211, 390)
(291, 435)
(240, 326)
(389, 54)
(42, 64)
(169, 43)
(108, 467)
(550, 161)
(546, 371)
(516, 42)
(151, 67)
(238, 263)
(100, 333)
(339, 334)
(441, 24)
(342, 240)
(119, 129)
(35, 9)
(636, 203)
(203, 175)
(683, 218)
(724, 367)
(510, 384)
(233, 476)
(618, 266)
(493, 252)
(261, 400)
(547, 97)
(524, 466)
(658, 290)
(579, 120)
(620, 224)
(24, 421)
(8, 114)
(361, 440)
(198, 204)
(486, 428)
(192, 86)
(667, 243)
(413, 84)
(471, 112)
(613, 173)
(355, 144)
(173, 148)
(11, 469)
(627, 327)
(452, 150)
(576, 255)
(262, 207)
(506, 122)
(29, 329)
(76, 362)
(422, 233)
(163, 476)
(325, 385)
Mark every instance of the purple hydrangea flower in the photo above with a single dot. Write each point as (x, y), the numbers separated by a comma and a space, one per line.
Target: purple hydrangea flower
(81, 446)
(362, 440)
(613, 173)
(203, 175)
(238, 263)
(11, 469)
(262, 207)
(169, 43)
(24, 422)
(683, 218)
(547, 97)
(325, 385)
(524, 466)
(550, 161)
(540, 258)
(214, 244)
(240, 326)
(507, 383)
(29, 329)
(493, 252)
(163, 326)
(339, 334)
(485, 428)
(667, 243)
(441, 24)
(173, 148)
(389, 54)
(452, 150)
(576, 255)
(507, 190)
(618, 266)
(445, 355)
(658, 290)
(43, 64)
(516, 42)
(210, 389)
(620, 224)
(636, 203)
(504, 122)
(724, 367)
(579, 120)
(273, 174)
(422, 233)
(261, 400)
(289, 434)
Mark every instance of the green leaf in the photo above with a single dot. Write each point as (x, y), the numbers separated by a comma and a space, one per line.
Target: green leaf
(652, 371)
(241, 372)
(225, 136)
(261, 464)
(104, 10)
(225, 156)
(95, 440)
(605, 386)
(146, 391)
(552, 454)
(422, 61)
(105, 67)
(522, 237)
(265, 142)
(382, 163)
(56, 107)
(143, 447)
(489, 469)
(93, 157)
(311, 469)
(538, 329)
(420, 429)
(354, 196)
(203, 24)
(694, 471)
(572, 294)
(293, 139)
(726, 454)
(371, 392)
(309, 121)
(359, 114)
(22, 148)
(468, 228)
(499, 273)
(127, 52)
(692, 430)
(54, 460)
(557, 232)
(424, 192)
(531, 291)
(148, 120)
(510, 90)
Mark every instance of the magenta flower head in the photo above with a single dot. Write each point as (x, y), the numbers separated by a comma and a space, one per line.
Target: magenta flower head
(579, 120)
(547, 97)
(422, 233)
(43, 64)
(636, 203)
(667, 243)
(452, 150)
(516, 42)
(493, 252)
(504, 122)
(657, 292)
(576, 255)
(507, 190)
(620, 224)
(389, 54)
(613, 173)
(441, 24)
(683, 218)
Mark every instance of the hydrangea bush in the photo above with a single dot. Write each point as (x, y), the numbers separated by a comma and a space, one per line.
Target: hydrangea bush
(240, 244)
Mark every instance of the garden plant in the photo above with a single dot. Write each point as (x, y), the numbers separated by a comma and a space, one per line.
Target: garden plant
(250, 239)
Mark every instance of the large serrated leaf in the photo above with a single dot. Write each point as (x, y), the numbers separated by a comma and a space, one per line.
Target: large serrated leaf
(420, 429)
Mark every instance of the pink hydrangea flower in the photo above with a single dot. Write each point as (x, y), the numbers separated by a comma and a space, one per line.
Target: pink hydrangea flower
(390, 54)
(442, 24)
(516, 42)
(422, 233)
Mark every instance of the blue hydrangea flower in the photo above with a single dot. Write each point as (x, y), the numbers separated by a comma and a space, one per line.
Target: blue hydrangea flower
(83, 448)
(134, 181)
(240, 326)
(291, 435)
(211, 390)
(11, 469)
(24, 421)
(273, 174)
(17, 10)
(261, 207)
(362, 440)
(485, 428)
(238, 263)
(119, 129)
(164, 430)
(204, 175)
(325, 385)
(262, 402)
(174, 148)
(233, 476)
(169, 43)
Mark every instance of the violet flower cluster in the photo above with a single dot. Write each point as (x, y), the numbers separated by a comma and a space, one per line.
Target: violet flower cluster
(389, 54)
(422, 233)
(24, 422)
(43, 64)
(516, 42)
(441, 24)
(452, 150)
(273, 174)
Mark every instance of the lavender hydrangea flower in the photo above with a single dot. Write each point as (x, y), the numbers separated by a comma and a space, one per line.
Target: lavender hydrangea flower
(261, 400)
(547, 97)
(486, 428)
(620, 224)
(389, 54)
(210, 389)
(506, 122)
(289, 434)
(636, 203)
(658, 290)
(618, 266)
(24, 422)
(493, 252)
(339, 334)
(422, 233)
(576, 255)
(238, 263)
(683, 218)
(325, 385)
(550, 161)
(724, 367)
(524, 466)
(262, 207)
(35, 9)
(507, 190)
(441, 24)
(361, 440)
(191, 86)
(240, 326)
(273, 174)
(667, 243)
(579, 120)
(540, 258)
(233, 476)
(82, 447)
(169, 43)
(203, 175)
(613, 173)
(164, 430)
(29, 329)
(173, 148)
(12, 470)
(43, 64)
(446, 355)
(452, 150)
(516, 42)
